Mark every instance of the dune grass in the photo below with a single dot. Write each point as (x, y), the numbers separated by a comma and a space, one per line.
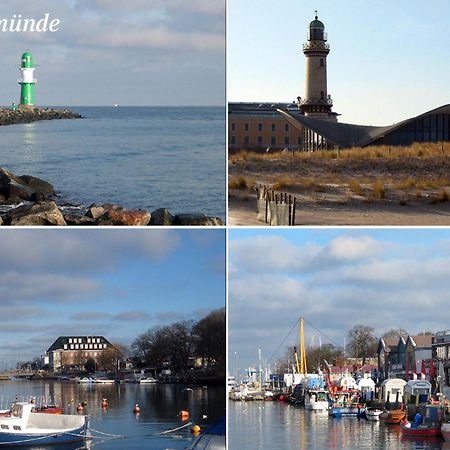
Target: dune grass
(416, 150)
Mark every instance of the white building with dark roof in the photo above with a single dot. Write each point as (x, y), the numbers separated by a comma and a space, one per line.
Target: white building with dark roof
(69, 351)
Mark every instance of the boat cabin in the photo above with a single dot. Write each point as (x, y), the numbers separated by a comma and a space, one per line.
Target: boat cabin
(417, 391)
(392, 390)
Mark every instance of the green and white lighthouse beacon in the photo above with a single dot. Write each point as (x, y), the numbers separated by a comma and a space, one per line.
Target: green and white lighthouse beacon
(27, 82)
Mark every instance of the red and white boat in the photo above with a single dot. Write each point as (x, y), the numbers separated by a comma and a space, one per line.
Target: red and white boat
(423, 430)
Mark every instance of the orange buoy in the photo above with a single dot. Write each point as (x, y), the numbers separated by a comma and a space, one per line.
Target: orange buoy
(104, 403)
(195, 429)
(136, 409)
(184, 415)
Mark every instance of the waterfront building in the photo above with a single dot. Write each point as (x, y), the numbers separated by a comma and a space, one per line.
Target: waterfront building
(309, 124)
(441, 352)
(27, 81)
(402, 357)
(73, 351)
(391, 357)
(418, 349)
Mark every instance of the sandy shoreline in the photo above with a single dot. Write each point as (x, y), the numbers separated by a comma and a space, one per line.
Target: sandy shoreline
(414, 191)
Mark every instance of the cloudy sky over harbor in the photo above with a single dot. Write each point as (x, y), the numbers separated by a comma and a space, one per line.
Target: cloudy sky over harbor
(134, 52)
(388, 61)
(335, 279)
(116, 283)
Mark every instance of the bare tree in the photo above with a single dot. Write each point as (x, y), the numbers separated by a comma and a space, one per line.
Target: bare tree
(361, 342)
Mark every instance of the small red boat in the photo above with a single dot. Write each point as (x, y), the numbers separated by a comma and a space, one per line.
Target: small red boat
(408, 429)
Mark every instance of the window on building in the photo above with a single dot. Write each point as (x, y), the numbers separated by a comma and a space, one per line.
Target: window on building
(246, 140)
(98, 340)
(71, 346)
(95, 345)
(273, 140)
(245, 126)
(286, 140)
(65, 346)
(273, 127)
(88, 340)
(286, 127)
(233, 126)
(70, 340)
(260, 127)
(260, 140)
(233, 140)
(77, 346)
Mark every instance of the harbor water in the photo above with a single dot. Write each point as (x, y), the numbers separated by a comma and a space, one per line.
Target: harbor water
(282, 426)
(138, 157)
(117, 427)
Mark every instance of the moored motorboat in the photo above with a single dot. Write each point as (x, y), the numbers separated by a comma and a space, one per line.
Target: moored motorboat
(23, 427)
(316, 400)
(147, 380)
(373, 413)
(393, 417)
(424, 430)
(212, 439)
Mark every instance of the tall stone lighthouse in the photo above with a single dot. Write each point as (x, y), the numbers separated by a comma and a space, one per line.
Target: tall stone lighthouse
(27, 82)
(317, 102)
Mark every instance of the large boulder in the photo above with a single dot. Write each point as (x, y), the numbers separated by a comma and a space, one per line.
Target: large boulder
(38, 185)
(78, 219)
(161, 216)
(95, 211)
(13, 189)
(127, 217)
(40, 213)
(197, 219)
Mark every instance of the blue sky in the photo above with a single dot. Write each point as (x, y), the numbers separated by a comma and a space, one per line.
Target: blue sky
(117, 283)
(388, 60)
(134, 52)
(335, 278)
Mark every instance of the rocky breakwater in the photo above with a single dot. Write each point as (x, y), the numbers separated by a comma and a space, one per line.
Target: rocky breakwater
(28, 200)
(11, 117)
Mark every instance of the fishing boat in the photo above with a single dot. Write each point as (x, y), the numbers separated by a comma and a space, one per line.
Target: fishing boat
(23, 427)
(392, 417)
(345, 403)
(373, 413)
(316, 400)
(408, 429)
(430, 426)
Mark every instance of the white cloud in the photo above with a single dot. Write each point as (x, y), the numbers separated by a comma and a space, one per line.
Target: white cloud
(352, 248)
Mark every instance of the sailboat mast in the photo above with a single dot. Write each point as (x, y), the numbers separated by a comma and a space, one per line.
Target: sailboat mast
(303, 367)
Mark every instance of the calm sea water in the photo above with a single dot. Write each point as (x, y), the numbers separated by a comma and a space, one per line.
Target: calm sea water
(159, 405)
(139, 157)
(281, 426)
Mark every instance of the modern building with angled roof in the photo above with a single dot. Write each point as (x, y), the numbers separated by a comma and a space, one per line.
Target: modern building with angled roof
(69, 351)
(309, 124)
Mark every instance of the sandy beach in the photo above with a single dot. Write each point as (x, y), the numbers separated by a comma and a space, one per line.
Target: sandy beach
(412, 188)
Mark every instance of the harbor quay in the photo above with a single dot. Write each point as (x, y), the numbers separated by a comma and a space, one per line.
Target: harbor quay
(400, 384)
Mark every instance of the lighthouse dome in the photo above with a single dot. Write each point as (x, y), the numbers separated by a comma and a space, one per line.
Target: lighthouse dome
(27, 60)
(316, 31)
(316, 24)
